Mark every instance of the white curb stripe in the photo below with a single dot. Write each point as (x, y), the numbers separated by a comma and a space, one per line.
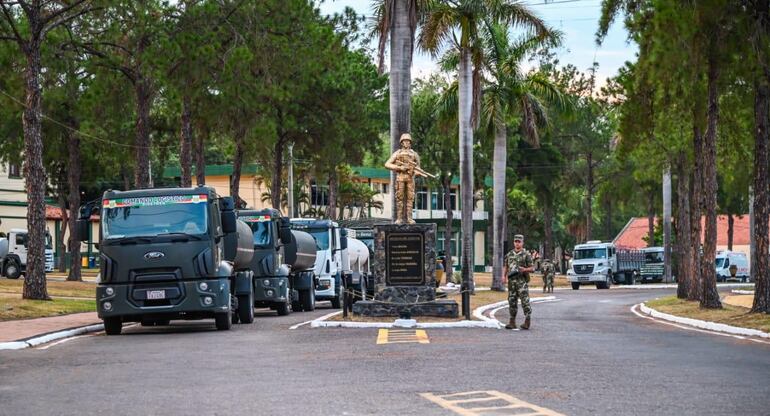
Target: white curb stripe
(698, 325)
(742, 292)
(33, 342)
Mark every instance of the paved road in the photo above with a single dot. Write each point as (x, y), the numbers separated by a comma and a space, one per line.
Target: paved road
(586, 355)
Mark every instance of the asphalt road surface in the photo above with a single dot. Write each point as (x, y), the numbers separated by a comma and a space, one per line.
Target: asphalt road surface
(586, 354)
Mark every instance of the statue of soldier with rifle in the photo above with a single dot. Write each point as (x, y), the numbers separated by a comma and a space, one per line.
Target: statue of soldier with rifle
(406, 163)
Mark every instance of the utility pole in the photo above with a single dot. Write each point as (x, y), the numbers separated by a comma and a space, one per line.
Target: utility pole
(667, 224)
(291, 180)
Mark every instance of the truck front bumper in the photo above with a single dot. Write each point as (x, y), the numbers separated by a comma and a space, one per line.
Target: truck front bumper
(271, 289)
(198, 299)
(588, 278)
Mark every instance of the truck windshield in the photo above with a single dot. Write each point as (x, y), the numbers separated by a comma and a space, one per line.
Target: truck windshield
(720, 263)
(653, 257)
(321, 238)
(591, 253)
(151, 216)
(261, 233)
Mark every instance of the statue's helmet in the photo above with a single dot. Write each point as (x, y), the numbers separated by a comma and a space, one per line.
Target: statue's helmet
(405, 136)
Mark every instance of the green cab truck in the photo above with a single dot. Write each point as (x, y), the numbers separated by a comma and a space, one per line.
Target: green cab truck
(282, 264)
(177, 253)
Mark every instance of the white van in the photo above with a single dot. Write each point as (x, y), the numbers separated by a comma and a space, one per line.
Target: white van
(726, 259)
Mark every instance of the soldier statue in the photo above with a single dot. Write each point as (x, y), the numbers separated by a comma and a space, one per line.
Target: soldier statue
(406, 163)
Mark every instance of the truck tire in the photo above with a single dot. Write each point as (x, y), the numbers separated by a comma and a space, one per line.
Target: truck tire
(223, 320)
(307, 299)
(113, 325)
(12, 269)
(337, 301)
(282, 309)
(246, 308)
(162, 322)
(575, 285)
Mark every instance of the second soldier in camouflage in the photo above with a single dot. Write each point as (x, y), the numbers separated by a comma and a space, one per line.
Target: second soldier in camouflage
(518, 266)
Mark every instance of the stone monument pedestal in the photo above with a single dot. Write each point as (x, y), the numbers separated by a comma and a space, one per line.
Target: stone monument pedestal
(404, 267)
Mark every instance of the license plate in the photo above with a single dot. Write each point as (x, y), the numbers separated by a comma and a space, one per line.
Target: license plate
(156, 294)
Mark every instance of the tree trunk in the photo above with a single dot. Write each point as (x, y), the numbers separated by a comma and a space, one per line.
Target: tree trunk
(447, 185)
(548, 252)
(143, 92)
(730, 231)
(667, 224)
(34, 175)
(73, 172)
(759, 262)
(651, 219)
(235, 178)
(466, 166)
(60, 238)
(276, 178)
(185, 145)
(709, 294)
(200, 156)
(684, 276)
(401, 47)
(696, 200)
(498, 204)
(608, 218)
(589, 196)
(331, 207)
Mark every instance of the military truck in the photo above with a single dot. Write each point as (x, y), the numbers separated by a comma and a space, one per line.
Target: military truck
(13, 253)
(282, 263)
(331, 241)
(168, 254)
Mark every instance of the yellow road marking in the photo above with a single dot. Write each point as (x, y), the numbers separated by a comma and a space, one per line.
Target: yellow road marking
(453, 401)
(400, 336)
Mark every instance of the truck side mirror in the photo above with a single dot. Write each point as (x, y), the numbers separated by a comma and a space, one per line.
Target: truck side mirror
(343, 239)
(228, 215)
(284, 231)
(83, 229)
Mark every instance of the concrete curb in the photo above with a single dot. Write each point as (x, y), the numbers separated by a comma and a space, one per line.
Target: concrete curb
(742, 292)
(53, 336)
(478, 313)
(709, 326)
(671, 286)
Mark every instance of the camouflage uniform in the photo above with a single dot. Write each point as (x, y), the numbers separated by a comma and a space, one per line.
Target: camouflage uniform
(518, 285)
(548, 275)
(405, 184)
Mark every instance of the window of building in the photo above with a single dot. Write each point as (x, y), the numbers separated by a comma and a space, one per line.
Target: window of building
(319, 194)
(14, 171)
(421, 198)
(384, 188)
(441, 243)
(437, 200)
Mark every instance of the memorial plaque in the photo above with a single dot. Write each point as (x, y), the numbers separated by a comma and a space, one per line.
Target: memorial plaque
(404, 257)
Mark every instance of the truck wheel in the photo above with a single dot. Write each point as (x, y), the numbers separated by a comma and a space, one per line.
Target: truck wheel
(12, 270)
(282, 309)
(296, 306)
(113, 325)
(337, 301)
(575, 285)
(147, 322)
(223, 320)
(162, 322)
(246, 308)
(307, 298)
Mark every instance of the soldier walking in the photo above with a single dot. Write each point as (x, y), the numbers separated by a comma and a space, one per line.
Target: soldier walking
(548, 276)
(518, 266)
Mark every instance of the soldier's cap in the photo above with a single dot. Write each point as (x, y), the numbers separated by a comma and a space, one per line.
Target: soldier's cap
(518, 237)
(405, 136)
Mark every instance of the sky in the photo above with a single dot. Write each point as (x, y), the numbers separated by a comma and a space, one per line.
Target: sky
(577, 19)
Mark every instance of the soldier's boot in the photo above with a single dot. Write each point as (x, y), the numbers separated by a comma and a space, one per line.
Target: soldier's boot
(511, 323)
(525, 325)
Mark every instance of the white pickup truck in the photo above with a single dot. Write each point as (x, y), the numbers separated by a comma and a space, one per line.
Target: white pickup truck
(13, 253)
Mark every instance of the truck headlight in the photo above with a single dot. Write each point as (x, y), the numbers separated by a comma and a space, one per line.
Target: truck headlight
(203, 286)
(109, 291)
(269, 292)
(208, 300)
(266, 282)
(107, 306)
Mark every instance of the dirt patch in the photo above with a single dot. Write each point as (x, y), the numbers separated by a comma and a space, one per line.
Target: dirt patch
(729, 314)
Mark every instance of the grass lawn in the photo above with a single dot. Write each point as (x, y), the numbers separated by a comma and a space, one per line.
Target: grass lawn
(730, 315)
(55, 288)
(481, 298)
(12, 306)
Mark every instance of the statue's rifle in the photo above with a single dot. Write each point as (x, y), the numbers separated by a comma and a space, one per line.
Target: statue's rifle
(419, 170)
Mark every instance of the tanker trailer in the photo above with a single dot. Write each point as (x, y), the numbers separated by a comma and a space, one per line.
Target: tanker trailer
(239, 251)
(358, 268)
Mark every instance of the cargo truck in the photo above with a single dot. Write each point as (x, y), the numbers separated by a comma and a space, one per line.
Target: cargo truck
(171, 254)
(331, 241)
(13, 253)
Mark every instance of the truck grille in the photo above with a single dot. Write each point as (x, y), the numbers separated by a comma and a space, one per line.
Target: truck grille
(584, 268)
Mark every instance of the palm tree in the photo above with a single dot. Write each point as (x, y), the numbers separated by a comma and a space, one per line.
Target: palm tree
(397, 20)
(461, 23)
(512, 96)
